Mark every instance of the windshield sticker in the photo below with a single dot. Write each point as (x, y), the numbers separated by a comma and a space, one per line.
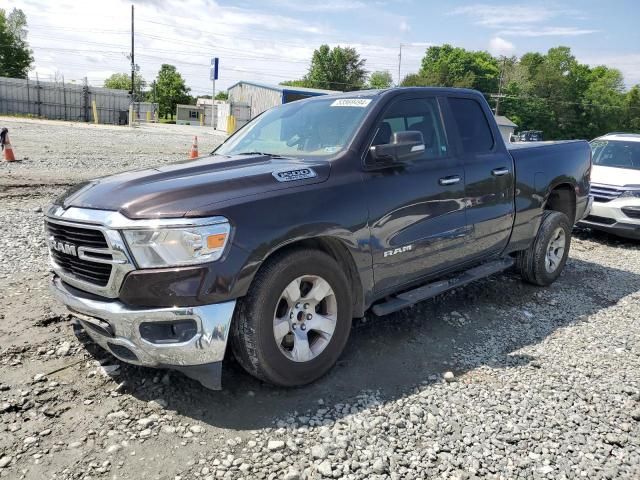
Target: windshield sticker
(351, 102)
(291, 175)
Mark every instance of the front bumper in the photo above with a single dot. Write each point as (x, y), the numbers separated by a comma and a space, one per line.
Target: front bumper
(116, 328)
(611, 217)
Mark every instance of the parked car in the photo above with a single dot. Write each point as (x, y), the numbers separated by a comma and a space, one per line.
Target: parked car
(529, 136)
(313, 213)
(615, 185)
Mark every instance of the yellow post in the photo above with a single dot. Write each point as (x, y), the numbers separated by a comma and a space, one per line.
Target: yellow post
(149, 116)
(201, 119)
(231, 124)
(95, 111)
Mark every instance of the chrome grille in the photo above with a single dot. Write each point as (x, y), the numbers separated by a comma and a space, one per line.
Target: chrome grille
(94, 272)
(605, 193)
(80, 236)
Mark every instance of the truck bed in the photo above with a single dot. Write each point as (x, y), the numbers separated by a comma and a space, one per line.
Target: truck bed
(539, 168)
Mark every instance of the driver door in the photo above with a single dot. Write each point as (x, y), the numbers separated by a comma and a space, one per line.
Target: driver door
(417, 208)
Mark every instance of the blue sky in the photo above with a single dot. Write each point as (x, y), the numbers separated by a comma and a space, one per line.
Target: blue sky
(272, 40)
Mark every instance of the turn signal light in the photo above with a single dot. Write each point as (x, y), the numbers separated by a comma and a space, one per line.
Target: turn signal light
(217, 240)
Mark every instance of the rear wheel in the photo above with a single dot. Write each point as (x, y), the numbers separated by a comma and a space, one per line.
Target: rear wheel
(294, 323)
(542, 263)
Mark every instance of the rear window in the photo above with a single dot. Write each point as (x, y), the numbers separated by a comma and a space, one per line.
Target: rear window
(473, 127)
(616, 153)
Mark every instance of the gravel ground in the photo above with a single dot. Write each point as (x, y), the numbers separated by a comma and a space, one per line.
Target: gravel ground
(497, 380)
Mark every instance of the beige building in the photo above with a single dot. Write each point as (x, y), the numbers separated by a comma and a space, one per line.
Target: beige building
(198, 114)
(506, 126)
(261, 96)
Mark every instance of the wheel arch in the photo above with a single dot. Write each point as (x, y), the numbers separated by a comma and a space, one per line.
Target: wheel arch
(562, 198)
(336, 249)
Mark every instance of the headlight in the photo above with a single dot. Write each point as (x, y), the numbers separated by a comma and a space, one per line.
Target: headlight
(172, 247)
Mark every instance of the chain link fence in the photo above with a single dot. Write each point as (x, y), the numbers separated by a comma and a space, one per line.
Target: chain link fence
(60, 101)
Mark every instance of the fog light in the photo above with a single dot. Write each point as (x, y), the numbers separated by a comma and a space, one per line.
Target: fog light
(168, 332)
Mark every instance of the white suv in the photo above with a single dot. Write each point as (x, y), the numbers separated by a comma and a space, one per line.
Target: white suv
(615, 185)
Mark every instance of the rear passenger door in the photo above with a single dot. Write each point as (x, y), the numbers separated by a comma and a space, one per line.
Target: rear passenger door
(416, 208)
(489, 174)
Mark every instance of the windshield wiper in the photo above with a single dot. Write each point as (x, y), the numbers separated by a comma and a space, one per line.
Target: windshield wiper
(259, 153)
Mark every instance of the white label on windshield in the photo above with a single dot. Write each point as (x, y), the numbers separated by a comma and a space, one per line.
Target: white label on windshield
(351, 102)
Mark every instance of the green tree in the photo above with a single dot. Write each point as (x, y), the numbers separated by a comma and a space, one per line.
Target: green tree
(414, 80)
(338, 68)
(122, 81)
(632, 110)
(295, 83)
(380, 79)
(222, 95)
(171, 90)
(448, 66)
(603, 102)
(15, 55)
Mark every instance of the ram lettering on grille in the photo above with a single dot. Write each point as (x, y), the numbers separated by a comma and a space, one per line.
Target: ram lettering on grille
(63, 247)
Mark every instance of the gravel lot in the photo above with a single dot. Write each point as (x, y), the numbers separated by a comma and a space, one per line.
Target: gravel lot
(497, 380)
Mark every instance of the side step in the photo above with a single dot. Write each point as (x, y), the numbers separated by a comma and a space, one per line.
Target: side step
(430, 290)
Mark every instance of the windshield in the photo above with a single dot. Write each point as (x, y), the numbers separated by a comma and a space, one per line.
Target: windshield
(616, 153)
(308, 128)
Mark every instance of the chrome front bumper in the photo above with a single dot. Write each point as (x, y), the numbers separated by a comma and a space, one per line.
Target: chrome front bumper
(207, 346)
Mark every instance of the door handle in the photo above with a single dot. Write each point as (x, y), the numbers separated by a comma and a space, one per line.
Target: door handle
(453, 179)
(498, 172)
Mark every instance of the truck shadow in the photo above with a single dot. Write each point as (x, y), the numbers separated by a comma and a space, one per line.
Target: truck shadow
(484, 324)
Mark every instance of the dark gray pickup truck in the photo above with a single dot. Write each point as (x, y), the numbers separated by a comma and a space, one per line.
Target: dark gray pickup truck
(310, 215)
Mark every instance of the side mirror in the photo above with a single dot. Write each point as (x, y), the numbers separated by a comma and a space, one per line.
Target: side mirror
(404, 146)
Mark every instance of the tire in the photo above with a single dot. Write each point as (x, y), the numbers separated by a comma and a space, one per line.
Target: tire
(253, 334)
(535, 264)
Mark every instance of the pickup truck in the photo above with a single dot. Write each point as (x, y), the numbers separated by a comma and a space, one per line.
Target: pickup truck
(310, 215)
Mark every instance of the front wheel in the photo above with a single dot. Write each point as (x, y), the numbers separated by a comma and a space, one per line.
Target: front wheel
(295, 321)
(542, 263)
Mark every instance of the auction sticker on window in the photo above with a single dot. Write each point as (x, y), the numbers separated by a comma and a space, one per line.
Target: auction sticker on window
(351, 102)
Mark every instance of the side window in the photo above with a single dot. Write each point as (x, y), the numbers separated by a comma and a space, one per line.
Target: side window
(422, 115)
(472, 125)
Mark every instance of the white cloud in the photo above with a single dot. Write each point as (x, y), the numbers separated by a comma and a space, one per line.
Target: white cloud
(404, 26)
(324, 6)
(547, 32)
(499, 46)
(91, 38)
(523, 20)
(505, 15)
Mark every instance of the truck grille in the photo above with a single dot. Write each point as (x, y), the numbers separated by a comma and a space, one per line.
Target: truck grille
(605, 193)
(80, 268)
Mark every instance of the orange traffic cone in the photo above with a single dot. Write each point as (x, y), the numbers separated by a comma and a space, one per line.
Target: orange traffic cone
(6, 146)
(194, 148)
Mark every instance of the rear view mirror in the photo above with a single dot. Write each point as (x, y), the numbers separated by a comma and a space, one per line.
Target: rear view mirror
(404, 146)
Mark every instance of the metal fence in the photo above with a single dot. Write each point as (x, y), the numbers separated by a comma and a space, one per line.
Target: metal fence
(60, 101)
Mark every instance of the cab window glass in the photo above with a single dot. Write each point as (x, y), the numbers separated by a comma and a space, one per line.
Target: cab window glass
(422, 115)
(473, 127)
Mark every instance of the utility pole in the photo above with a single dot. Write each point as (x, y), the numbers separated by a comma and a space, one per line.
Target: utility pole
(504, 61)
(133, 62)
(399, 64)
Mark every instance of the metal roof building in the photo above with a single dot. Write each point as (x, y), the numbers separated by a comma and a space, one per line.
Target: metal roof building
(261, 96)
(506, 126)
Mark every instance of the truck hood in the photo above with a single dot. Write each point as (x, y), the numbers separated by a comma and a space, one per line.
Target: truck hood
(618, 177)
(174, 190)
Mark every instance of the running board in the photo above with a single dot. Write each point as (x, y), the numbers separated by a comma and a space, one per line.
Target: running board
(411, 297)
